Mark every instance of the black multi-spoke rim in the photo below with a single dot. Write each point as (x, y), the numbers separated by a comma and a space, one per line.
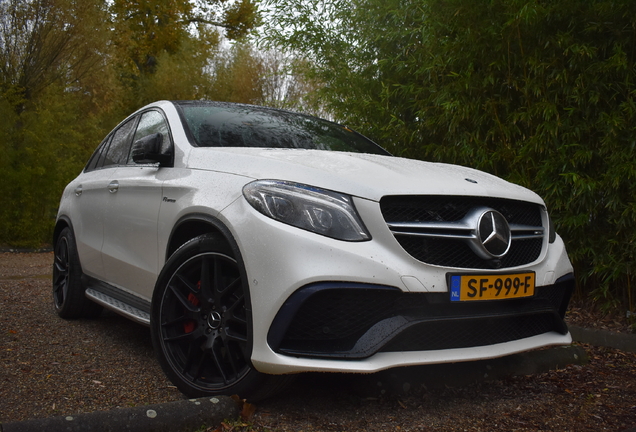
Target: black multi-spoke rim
(61, 273)
(203, 323)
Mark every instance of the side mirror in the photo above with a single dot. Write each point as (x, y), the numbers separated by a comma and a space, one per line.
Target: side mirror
(147, 150)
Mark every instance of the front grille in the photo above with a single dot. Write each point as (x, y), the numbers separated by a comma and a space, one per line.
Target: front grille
(356, 323)
(438, 213)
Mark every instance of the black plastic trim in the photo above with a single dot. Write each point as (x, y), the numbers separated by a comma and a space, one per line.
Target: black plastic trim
(292, 305)
(569, 283)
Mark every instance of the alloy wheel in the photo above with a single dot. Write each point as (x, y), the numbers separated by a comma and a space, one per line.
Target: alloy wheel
(203, 324)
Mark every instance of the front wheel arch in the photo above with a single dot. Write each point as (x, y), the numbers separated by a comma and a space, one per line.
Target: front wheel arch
(194, 225)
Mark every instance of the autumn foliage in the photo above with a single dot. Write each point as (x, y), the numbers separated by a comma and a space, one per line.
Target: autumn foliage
(71, 69)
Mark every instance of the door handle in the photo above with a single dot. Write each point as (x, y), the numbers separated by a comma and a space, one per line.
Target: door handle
(113, 186)
(78, 190)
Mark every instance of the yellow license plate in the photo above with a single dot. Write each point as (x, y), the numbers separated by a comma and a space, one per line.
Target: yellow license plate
(475, 287)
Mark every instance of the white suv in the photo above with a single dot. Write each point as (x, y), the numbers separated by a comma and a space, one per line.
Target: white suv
(257, 243)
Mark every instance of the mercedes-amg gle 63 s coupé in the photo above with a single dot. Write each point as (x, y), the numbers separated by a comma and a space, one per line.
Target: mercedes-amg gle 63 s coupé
(257, 243)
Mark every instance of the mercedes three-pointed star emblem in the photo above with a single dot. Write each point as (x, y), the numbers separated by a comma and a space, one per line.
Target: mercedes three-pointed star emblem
(494, 233)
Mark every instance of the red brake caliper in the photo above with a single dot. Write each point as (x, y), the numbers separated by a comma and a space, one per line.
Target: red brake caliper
(189, 326)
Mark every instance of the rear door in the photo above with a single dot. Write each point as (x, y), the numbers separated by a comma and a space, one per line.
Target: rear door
(93, 194)
(91, 191)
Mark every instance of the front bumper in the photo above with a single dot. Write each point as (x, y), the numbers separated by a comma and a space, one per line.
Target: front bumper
(356, 321)
(402, 326)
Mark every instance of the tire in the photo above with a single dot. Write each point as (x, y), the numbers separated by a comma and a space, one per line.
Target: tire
(201, 325)
(68, 292)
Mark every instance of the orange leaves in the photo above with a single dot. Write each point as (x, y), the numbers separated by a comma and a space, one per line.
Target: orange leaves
(247, 410)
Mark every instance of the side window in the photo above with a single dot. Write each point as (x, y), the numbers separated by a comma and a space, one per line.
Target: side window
(153, 122)
(101, 149)
(119, 148)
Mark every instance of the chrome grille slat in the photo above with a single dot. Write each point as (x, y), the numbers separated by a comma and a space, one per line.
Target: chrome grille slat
(461, 230)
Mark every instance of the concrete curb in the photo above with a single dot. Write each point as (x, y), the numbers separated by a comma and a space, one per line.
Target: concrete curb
(621, 341)
(186, 415)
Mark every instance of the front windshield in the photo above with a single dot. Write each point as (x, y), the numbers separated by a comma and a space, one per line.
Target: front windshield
(227, 125)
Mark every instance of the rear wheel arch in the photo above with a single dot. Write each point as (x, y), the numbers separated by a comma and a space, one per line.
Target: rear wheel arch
(68, 290)
(60, 224)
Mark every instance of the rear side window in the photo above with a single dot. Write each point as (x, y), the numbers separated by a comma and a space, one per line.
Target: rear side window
(94, 160)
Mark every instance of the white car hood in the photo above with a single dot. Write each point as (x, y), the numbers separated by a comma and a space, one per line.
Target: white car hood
(363, 175)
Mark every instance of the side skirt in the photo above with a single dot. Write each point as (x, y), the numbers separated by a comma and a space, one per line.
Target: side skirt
(118, 300)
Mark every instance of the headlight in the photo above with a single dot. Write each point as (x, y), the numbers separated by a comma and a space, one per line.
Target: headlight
(317, 210)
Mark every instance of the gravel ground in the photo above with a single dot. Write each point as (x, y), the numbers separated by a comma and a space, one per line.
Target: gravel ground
(56, 367)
